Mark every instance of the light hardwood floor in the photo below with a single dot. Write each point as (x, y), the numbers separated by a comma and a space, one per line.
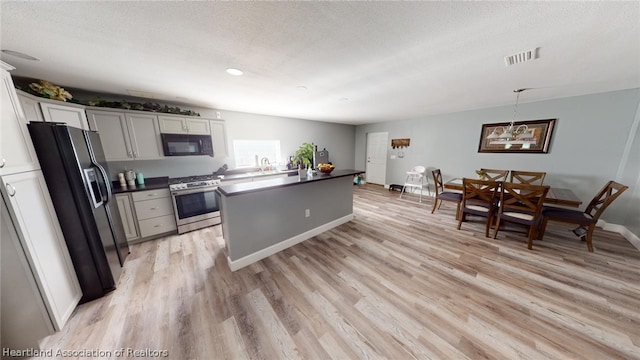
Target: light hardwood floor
(396, 282)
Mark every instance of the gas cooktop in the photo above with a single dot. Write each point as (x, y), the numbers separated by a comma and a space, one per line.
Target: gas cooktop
(192, 182)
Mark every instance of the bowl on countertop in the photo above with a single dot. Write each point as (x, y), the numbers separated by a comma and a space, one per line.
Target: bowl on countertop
(326, 169)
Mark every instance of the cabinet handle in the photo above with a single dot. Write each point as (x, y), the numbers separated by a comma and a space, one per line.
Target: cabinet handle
(157, 226)
(2, 163)
(153, 208)
(11, 190)
(152, 194)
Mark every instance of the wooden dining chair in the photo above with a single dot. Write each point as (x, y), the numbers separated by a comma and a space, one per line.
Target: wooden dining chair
(521, 204)
(587, 219)
(442, 195)
(495, 175)
(527, 177)
(479, 198)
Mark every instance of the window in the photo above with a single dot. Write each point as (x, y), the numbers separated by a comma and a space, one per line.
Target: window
(248, 153)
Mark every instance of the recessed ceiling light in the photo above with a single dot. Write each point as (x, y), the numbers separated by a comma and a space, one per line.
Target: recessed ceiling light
(301, 88)
(20, 55)
(344, 99)
(235, 72)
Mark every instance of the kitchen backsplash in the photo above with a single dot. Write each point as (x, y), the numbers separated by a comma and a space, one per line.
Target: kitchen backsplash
(171, 167)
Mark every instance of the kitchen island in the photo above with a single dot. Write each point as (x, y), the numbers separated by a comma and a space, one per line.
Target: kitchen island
(261, 218)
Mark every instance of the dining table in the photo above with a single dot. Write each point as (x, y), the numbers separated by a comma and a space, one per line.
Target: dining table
(555, 196)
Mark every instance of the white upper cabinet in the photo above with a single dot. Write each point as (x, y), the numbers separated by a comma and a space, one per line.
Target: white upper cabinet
(114, 133)
(183, 125)
(16, 149)
(145, 136)
(30, 106)
(71, 115)
(219, 139)
(43, 242)
(172, 125)
(198, 126)
(127, 136)
(39, 109)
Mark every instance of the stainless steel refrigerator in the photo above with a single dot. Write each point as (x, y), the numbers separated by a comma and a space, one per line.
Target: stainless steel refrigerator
(74, 167)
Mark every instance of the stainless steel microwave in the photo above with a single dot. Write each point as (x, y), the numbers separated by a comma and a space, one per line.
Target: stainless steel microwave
(185, 145)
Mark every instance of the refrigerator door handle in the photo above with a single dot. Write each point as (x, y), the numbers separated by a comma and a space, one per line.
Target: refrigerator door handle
(106, 182)
(103, 172)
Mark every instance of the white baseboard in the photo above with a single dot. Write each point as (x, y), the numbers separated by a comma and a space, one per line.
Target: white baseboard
(622, 230)
(275, 248)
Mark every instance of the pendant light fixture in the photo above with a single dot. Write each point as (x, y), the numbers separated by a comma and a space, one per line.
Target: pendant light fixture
(511, 132)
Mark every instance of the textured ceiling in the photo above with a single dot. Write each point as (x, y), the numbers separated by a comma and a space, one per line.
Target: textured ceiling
(391, 60)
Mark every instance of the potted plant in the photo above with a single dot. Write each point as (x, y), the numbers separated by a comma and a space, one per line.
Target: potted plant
(303, 157)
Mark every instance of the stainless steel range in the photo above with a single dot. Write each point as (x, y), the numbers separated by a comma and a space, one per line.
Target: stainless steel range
(194, 201)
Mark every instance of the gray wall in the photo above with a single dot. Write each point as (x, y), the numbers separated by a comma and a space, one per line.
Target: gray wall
(336, 138)
(631, 177)
(588, 146)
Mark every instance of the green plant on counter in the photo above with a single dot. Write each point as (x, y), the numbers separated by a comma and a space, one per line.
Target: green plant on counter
(304, 155)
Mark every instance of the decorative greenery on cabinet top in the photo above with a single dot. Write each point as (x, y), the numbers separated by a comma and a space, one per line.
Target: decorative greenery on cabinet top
(47, 90)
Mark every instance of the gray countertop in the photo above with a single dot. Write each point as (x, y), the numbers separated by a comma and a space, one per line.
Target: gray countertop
(254, 174)
(162, 182)
(243, 188)
(149, 184)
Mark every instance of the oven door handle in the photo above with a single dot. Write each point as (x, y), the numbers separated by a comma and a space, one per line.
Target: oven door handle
(193, 191)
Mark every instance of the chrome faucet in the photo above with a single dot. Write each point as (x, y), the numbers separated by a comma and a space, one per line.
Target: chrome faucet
(264, 162)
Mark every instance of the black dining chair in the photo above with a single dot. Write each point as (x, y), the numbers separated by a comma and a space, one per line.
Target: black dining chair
(587, 219)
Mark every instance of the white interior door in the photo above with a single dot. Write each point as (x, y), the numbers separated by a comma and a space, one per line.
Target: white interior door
(376, 167)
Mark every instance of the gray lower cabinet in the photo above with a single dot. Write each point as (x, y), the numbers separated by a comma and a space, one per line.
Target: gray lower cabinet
(146, 214)
(125, 205)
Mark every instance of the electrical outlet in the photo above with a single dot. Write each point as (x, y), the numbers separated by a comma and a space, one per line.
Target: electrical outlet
(307, 212)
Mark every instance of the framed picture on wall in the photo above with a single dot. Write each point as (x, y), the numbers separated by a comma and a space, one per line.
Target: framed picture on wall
(532, 136)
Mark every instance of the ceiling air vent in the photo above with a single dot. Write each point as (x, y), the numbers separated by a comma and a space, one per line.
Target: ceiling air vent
(523, 56)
